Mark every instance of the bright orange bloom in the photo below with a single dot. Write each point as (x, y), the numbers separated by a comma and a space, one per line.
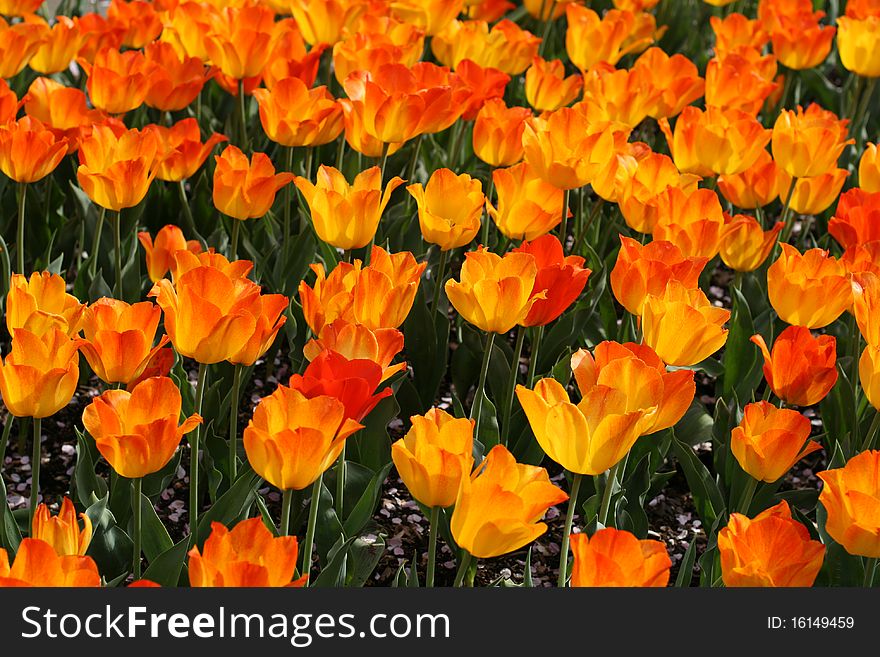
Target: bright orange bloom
(800, 42)
(291, 439)
(432, 16)
(561, 277)
(99, 33)
(769, 440)
(19, 7)
(643, 270)
(18, 44)
(676, 78)
(771, 12)
(357, 342)
(801, 369)
(736, 83)
(506, 46)
(635, 371)
(37, 564)
(745, 245)
(567, 150)
(247, 556)
(64, 110)
(693, 222)
(356, 134)
(618, 95)
(62, 531)
(347, 216)
(488, 10)
(388, 42)
(528, 207)
(29, 151)
(614, 178)
(41, 303)
(377, 296)
(39, 375)
(116, 169)
(434, 456)
(181, 151)
(591, 39)
(481, 83)
(137, 431)
(545, 11)
(450, 208)
(9, 103)
(118, 81)
(294, 115)
(862, 258)
(850, 497)
(641, 191)
(61, 45)
(499, 506)
(682, 325)
(187, 27)
(857, 219)
(757, 186)
(246, 189)
(771, 550)
(858, 44)
(498, 130)
(239, 43)
(140, 19)
(326, 21)
(869, 168)
(159, 254)
(174, 82)
(735, 32)
(810, 289)
(614, 557)
(866, 303)
(289, 58)
(547, 88)
(862, 9)
(159, 365)
(495, 293)
(815, 195)
(809, 143)
(715, 141)
(869, 374)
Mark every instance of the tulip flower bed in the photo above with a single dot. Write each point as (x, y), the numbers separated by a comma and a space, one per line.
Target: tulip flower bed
(440, 293)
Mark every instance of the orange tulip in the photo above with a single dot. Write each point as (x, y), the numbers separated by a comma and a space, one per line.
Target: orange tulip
(137, 431)
(187, 26)
(736, 83)
(240, 39)
(357, 342)
(347, 216)
(800, 42)
(590, 39)
(641, 191)
(850, 496)
(326, 21)
(61, 45)
(181, 151)
(682, 326)
(546, 11)
(159, 254)
(289, 58)
(745, 245)
(267, 310)
(506, 46)
(528, 207)
(808, 143)
(675, 78)
(862, 258)
(801, 369)
(495, 293)
(498, 133)
(9, 103)
(247, 556)
(757, 186)
(19, 42)
(810, 289)
(857, 45)
(29, 151)
(64, 110)
(62, 531)
(450, 208)
(488, 10)
(770, 550)
(769, 440)
(387, 42)
(432, 16)
(617, 558)
(547, 88)
(486, 527)
(693, 222)
(174, 82)
(294, 115)
(292, 439)
(869, 169)
(481, 84)
(19, 7)
(118, 81)
(815, 195)
(735, 32)
(246, 189)
(37, 564)
(40, 304)
(434, 456)
(643, 270)
(866, 302)
(618, 95)
(613, 180)
(116, 169)
(356, 134)
(140, 19)
(857, 219)
(39, 375)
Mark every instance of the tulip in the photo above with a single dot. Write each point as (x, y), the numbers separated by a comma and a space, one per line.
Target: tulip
(247, 556)
(808, 143)
(29, 151)
(642, 270)
(62, 531)
(488, 10)
(757, 186)
(450, 208)
(801, 368)
(617, 558)
(119, 338)
(866, 302)
(294, 115)
(432, 16)
(641, 191)
(141, 21)
(118, 81)
(356, 134)
(590, 39)
(857, 44)
(19, 7)
(498, 130)
(347, 216)
(19, 42)
(693, 222)
(682, 326)
(326, 21)
(800, 42)
(41, 304)
(62, 42)
(159, 254)
(9, 103)
(159, 365)
(740, 83)
(869, 377)
(815, 195)
(745, 245)
(392, 42)
(187, 26)
(869, 169)
(769, 441)
(849, 496)
(505, 47)
(547, 88)
(98, 32)
(771, 550)
(735, 31)
(618, 96)
(857, 219)
(357, 342)
(562, 278)
(485, 527)
(37, 564)
(289, 58)
(810, 289)
(482, 84)
(181, 151)
(239, 41)
(675, 77)
(64, 110)
(174, 82)
(862, 258)
(528, 207)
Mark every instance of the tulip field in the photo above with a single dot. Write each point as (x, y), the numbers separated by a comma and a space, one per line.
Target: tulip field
(414, 293)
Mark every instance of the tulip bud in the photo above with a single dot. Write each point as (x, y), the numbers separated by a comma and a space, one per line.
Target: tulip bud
(613, 557)
(801, 369)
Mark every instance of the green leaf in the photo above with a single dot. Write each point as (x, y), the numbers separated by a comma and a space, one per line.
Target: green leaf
(333, 574)
(87, 483)
(696, 424)
(686, 570)
(740, 355)
(111, 548)
(230, 506)
(364, 556)
(154, 537)
(10, 536)
(707, 497)
(165, 569)
(366, 505)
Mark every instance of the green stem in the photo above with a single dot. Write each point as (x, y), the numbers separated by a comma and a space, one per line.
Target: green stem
(288, 197)
(463, 566)
(547, 24)
(856, 343)
(511, 381)
(433, 529)
(187, 212)
(4, 439)
(438, 281)
(868, 444)
(201, 384)
(35, 474)
(477, 406)
(411, 169)
(286, 499)
(870, 569)
(117, 254)
(607, 494)
(310, 528)
(566, 530)
(533, 356)
(22, 198)
(242, 113)
(563, 226)
(233, 245)
(745, 501)
(786, 211)
(594, 212)
(487, 220)
(233, 423)
(340, 481)
(136, 531)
